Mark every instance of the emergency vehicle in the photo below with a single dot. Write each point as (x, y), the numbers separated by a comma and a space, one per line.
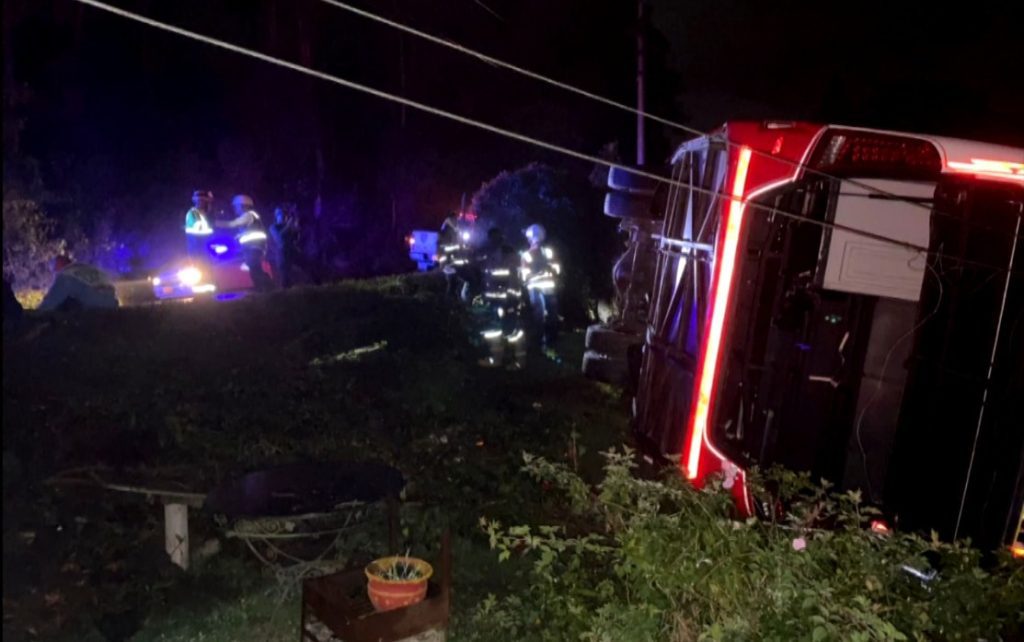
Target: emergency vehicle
(423, 249)
(221, 274)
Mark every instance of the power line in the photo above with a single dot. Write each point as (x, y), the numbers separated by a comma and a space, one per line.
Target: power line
(454, 46)
(489, 10)
(221, 44)
(499, 63)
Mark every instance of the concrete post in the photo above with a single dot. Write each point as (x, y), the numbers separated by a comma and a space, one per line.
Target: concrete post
(176, 533)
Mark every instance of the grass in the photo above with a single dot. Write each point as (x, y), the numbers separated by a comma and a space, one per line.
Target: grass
(204, 392)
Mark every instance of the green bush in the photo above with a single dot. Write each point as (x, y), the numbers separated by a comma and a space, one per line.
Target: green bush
(29, 244)
(585, 240)
(30, 299)
(647, 560)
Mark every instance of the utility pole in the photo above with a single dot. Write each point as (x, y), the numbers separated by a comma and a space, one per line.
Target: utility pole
(640, 83)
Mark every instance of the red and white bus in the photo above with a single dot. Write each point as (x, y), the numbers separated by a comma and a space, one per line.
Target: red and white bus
(848, 302)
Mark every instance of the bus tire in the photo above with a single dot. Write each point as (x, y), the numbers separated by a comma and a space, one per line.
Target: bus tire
(622, 205)
(623, 180)
(608, 341)
(600, 367)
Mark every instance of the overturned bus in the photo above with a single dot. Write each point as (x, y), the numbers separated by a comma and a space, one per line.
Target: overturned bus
(847, 302)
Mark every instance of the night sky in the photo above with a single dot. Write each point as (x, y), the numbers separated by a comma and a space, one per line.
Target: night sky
(902, 65)
(126, 120)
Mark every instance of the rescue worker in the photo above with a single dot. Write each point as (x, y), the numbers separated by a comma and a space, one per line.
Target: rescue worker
(284, 231)
(252, 239)
(453, 256)
(197, 224)
(287, 253)
(540, 271)
(448, 244)
(77, 285)
(502, 332)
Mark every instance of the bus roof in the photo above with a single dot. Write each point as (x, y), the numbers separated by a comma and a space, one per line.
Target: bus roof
(957, 156)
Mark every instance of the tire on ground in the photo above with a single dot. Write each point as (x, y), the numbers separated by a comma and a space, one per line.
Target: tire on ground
(622, 205)
(624, 180)
(608, 341)
(601, 367)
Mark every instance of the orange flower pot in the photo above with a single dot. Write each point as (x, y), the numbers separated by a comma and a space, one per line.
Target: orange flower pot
(387, 594)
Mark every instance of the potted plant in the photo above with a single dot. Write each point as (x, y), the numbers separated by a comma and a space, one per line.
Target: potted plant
(397, 581)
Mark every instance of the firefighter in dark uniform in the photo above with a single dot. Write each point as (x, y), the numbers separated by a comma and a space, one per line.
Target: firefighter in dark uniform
(286, 254)
(453, 255)
(502, 332)
(252, 238)
(540, 272)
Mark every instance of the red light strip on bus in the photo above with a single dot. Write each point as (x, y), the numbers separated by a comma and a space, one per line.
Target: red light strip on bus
(998, 169)
(720, 303)
(879, 526)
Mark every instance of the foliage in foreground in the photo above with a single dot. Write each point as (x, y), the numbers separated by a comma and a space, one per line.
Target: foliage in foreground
(29, 244)
(647, 560)
(369, 370)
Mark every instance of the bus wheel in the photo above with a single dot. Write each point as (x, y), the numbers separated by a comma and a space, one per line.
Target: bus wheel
(611, 342)
(601, 367)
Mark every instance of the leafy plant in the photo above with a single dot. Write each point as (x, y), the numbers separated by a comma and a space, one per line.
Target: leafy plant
(404, 569)
(421, 404)
(29, 244)
(636, 559)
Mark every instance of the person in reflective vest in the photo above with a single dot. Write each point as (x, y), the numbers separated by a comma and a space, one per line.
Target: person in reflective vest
(455, 258)
(502, 332)
(451, 255)
(540, 272)
(251, 238)
(197, 224)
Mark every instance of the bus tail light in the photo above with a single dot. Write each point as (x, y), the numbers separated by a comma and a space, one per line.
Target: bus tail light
(848, 152)
(991, 168)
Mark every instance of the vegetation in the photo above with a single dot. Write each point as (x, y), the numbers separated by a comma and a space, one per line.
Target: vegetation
(648, 560)
(29, 245)
(404, 569)
(198, 394)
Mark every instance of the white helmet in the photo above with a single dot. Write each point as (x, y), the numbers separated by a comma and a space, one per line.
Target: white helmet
(243, 201)
(535, 233)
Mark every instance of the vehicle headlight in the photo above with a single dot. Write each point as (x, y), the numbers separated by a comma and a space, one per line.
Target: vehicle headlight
(156, 280)
(190, 275)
